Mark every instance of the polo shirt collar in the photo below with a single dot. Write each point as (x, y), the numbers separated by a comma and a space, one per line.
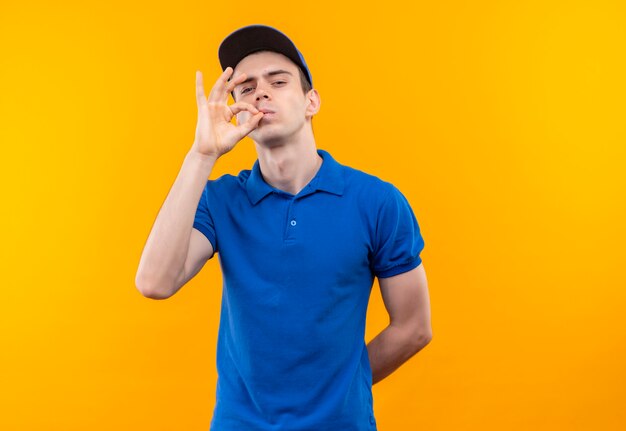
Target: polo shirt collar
(329, 178)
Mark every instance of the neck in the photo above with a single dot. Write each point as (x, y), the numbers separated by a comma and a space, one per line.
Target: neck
(289, 167)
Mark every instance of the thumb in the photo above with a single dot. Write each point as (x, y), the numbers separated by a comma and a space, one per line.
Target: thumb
(251, 124)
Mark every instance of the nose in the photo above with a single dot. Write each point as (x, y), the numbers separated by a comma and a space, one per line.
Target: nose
(260, 96)
(261, 93)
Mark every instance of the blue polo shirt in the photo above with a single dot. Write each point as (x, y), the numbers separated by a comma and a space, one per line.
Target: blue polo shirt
(298, 272)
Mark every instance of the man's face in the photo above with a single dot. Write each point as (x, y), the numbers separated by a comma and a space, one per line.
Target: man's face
(273, 86)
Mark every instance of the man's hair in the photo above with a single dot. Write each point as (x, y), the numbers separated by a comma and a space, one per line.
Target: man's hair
(304, 82)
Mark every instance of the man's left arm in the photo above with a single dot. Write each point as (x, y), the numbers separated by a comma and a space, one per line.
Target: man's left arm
(409, 331)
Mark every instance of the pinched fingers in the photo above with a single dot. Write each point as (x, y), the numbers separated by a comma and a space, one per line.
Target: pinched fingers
(250, 124)
(236, 108)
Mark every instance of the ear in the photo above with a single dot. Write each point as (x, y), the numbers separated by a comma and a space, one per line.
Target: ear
(313, 103)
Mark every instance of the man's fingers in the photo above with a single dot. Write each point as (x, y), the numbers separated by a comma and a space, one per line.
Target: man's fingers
(199, 87)
(236, 108)
(235, 82)
(218, 92)
(251, 124)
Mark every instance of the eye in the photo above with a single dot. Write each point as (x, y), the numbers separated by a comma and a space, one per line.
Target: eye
(280, 82)
(245, 90)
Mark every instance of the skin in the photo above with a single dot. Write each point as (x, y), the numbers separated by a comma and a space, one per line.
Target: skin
(284, 137)
(273, 110)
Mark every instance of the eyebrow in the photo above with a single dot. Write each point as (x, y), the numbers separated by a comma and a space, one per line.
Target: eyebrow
(270, 73)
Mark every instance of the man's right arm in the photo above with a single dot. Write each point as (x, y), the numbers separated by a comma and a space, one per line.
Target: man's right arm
(175, 251)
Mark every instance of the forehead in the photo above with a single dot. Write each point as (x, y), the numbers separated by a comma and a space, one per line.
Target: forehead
(258, 63)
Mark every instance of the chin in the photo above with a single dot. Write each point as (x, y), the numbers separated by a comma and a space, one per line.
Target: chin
(270, 143)
(268, 136)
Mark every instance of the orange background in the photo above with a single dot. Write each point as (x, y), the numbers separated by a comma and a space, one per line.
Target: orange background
(502, 123)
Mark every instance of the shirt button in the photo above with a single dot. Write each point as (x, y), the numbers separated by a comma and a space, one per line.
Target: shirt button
(293, 222)
(372, 420)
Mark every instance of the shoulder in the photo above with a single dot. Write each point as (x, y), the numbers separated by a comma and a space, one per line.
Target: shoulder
(375, 197)
(228, 182)
(225, 185)
(368, 186)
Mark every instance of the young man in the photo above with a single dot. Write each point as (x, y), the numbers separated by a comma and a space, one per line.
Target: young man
(300, 239)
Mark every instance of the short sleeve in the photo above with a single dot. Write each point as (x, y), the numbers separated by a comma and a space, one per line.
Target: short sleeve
(398, 241)
(203, 220)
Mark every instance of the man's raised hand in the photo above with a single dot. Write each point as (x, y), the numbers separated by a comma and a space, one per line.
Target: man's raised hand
(215, 134)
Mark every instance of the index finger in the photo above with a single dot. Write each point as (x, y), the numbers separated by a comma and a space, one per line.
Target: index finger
(218, 92)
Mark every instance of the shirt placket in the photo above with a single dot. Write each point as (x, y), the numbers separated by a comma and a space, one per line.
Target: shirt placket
(291, 224)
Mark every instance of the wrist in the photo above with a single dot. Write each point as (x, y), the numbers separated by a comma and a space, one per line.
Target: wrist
(201, 162)
(205, 159)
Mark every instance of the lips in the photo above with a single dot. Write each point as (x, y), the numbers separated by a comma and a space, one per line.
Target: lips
(267, 111)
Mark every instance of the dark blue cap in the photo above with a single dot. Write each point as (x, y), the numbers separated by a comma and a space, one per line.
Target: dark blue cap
(254, 38)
